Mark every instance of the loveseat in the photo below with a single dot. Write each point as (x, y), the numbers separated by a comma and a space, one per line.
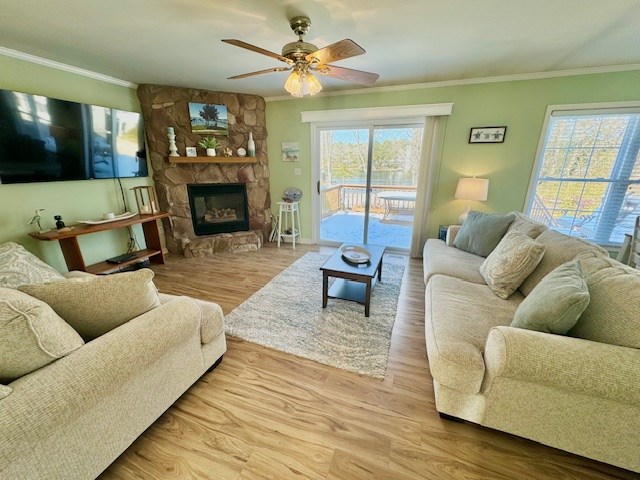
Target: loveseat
(578, 392)
(74, 416)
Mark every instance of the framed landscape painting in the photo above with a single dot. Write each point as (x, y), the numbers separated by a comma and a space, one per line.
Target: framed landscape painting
(209, 119)
(290, 151)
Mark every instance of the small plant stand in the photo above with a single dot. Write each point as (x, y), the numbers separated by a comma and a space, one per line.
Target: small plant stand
(289, 221)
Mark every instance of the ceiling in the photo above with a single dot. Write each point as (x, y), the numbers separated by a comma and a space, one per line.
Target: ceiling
(177, 42)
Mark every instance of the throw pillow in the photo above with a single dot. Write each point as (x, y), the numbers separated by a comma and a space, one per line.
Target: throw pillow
(97, 305)
(5, 391)
(613, 315)
(556, 303)
(20, 267)
(524, 224)
(513, 260)
(558, 249)
(481, 232)
(31, 335)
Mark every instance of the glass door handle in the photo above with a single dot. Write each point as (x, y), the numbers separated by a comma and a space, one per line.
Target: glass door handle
(318, 187)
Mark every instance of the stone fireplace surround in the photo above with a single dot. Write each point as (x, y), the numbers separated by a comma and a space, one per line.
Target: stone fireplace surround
(166, 106)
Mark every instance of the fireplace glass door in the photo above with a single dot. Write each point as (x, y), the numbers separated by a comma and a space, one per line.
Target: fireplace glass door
(218, 208)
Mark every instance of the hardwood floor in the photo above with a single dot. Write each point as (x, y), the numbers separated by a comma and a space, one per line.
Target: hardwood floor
(263, 414)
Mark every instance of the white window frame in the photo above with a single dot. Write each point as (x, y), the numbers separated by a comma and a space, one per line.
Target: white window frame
(581, 108)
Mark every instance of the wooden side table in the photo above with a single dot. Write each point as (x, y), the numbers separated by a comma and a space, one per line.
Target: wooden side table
(71, 248)
(289, 216)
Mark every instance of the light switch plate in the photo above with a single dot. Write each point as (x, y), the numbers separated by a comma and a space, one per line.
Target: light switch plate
(297, 171)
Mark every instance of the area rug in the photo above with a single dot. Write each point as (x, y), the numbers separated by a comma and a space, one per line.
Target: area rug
(287, 315)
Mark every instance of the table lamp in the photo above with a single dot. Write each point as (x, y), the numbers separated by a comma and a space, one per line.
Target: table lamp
(471, 189)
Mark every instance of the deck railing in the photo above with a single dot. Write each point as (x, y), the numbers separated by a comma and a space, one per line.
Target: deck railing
(540, 213)
(352, 196)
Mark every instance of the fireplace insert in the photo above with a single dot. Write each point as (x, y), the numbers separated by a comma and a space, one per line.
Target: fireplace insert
(218, 208)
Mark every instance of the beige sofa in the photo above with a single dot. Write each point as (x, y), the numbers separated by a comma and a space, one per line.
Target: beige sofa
(570, 393)
(71, 418)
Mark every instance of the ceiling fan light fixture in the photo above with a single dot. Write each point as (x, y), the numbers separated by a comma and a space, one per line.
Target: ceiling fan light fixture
(311, 84)
(302, 58)
(300, 84)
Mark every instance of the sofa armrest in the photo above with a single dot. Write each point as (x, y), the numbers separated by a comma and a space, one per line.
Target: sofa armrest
(566, 363)
(452, 231)
(211, 316)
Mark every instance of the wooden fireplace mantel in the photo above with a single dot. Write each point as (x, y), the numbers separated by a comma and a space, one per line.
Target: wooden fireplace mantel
(212, 159)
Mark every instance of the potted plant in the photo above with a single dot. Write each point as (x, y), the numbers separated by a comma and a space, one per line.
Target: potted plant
(210, 144)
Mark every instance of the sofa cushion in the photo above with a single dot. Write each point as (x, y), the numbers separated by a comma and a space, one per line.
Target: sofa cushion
(20, 267)
(513, 260)
(32, 335)
(458, 317)
(440, 259)
(557, 302)
(613, 314)
(481, 232)
(558, 249)
(96, 305)
(524, 224)
(5, 391)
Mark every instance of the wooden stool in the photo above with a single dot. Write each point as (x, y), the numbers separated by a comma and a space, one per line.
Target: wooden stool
(292, 220)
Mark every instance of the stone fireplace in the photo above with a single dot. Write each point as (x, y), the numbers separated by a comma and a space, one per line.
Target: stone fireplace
(218, 208)
(165, 106)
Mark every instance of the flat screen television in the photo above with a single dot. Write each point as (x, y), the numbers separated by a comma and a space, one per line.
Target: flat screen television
(46, 140)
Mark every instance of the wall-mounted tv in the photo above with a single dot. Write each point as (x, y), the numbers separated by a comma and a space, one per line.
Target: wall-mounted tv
(46, 139)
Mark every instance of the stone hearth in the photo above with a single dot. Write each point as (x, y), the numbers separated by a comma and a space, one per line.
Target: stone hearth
(165, 106)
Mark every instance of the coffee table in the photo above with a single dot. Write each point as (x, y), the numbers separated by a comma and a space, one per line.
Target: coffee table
(353, 281)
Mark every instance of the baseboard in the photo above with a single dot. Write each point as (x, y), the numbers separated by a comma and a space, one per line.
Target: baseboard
(302, 241)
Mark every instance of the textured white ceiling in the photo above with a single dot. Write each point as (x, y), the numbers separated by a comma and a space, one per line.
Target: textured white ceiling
(177, 42)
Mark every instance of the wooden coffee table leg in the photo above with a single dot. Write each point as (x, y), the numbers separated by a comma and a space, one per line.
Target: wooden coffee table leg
(325, 289)
(367, 298)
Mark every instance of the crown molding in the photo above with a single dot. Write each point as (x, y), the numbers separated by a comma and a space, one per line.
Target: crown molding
(515, 77)
(66, 68)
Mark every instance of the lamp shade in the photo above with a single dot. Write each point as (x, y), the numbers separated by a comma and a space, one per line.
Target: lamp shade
(302, 83)
(472, 189)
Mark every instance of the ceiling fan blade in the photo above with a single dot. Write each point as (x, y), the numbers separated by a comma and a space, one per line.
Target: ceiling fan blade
(358, 76)
(336, 51)
(260, 72)
(253, 48)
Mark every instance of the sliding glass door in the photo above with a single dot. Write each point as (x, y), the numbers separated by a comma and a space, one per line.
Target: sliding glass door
(368, 183)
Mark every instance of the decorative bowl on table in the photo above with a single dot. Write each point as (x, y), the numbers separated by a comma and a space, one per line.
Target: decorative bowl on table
(292, 194)
(355, 254)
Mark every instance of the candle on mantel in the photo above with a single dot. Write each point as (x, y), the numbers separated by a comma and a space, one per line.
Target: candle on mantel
(169, 130)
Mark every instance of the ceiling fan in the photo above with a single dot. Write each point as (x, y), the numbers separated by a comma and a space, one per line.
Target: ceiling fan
(304, 59)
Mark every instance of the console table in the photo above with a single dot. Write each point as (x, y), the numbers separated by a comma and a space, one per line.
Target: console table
(71, 249)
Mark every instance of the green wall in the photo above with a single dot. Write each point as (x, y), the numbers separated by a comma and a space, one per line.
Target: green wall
(520, 105)
(76, 200)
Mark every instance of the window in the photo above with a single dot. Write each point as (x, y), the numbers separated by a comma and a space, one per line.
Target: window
(587, 181)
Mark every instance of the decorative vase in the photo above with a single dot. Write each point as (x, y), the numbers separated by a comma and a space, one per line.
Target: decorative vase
(251, 146)
(211, 152)
(173, 150)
